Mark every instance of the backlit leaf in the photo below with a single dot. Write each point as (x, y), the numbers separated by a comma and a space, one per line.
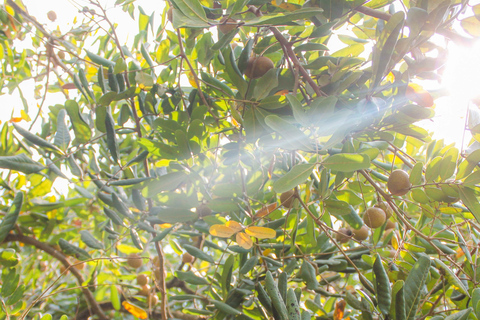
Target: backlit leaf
(243, 240)
(260, 232)
(221, 231)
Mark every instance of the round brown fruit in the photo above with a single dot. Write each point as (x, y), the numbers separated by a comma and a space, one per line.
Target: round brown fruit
(156, 261)
(257, 67)
(374, 217)
(360, 234)
(287, 198)
(187, 258)
(226, 25)
(52, 16)
(152, 300)
(61, 55)
(398, 183)
(343, 235)
(385, 207)
(386, 234)
(170, 15)
(142, 279)
(43, 265)
(203, 210)
(390, 225)
(145, 290)
(134, 261)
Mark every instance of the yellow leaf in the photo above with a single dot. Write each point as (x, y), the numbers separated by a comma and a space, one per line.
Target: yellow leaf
(219, 230)
(450, 210)
(261, 232)
(191, 79)
(266, 210)
(136, 311)
(165, 225)
(10, 10)
(237, 227)
(244, 241)
(25, 116)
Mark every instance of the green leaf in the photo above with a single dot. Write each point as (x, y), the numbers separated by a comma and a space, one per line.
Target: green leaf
(36, 140)
(297, 175)
(111, 136)
(385, 46)
(90, 240)
(136, 239)
(460, 315)
(191, 8)
(8, 222)
(294, 138)
(173, 215)
(416, 174)
(347, 162)
(99, 60)
(62, 136)
(161, 235)
(311, 46)
(475, 301)
(73, 250)
(448, 163)
(17, 295)
(265, 84)
(470, 200)
(80, 127)
(10, 282)
(197, 253)
(225, 39)
(190, 277)
(129, 182)
(225, 308)
(414, 284)
(382, 286)
(216, 85)
(167, 182)
(114, 297)
(284, 17)
(452, 277)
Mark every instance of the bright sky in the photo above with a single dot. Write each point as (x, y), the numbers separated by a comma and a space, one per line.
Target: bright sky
(461, 78)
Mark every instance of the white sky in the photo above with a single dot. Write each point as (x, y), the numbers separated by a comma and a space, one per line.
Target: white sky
(462, 77)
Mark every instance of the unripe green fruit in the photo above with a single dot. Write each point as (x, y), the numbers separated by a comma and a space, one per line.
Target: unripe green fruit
(257, 67)
(343, 235)
(360, 234)
(374, 217)
(287, 198)
(398, 183)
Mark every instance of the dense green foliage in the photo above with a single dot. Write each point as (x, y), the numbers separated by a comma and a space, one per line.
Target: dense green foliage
(196, 192)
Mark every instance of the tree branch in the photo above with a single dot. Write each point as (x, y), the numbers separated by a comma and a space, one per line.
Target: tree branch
(96, 309)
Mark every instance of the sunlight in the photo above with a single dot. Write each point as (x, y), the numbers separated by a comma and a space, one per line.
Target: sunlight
(462, 81)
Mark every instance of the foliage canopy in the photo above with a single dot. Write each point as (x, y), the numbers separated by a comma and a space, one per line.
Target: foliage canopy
(197, 192)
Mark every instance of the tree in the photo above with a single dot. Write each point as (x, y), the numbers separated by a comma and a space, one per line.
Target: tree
(287, 180)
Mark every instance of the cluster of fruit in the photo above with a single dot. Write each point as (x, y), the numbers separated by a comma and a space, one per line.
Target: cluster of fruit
(375, 217)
